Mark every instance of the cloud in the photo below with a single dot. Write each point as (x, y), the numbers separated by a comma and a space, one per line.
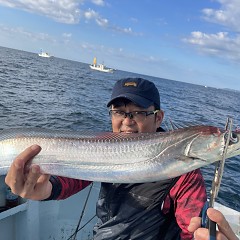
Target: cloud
(223, 44)
(98, 49)
(66, 37)
(90, 14)
(98, 2)
(64, 11)
(227, 15)
(19, 31)
(218, 45)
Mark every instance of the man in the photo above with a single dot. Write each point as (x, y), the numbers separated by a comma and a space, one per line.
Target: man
(157, 210)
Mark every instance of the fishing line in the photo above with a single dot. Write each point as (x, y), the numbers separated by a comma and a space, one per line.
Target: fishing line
(83, 226)
(74, 235)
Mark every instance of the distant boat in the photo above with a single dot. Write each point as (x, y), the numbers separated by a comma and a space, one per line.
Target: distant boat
(100, 67)
(44, 54)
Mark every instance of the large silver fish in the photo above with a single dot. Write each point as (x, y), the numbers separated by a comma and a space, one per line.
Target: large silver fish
(119, 158)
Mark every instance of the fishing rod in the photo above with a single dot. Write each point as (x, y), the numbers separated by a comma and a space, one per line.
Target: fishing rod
(216, 182)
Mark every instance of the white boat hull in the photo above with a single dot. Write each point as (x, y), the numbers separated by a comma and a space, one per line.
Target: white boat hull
(44, 55)
(101, 68)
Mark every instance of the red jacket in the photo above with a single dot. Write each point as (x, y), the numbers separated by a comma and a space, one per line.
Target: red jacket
(188, 195)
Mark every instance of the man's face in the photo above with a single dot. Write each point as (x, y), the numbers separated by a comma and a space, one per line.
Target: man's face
(150, 123)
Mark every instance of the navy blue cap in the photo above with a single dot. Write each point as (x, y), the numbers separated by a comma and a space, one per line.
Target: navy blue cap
(138, 90)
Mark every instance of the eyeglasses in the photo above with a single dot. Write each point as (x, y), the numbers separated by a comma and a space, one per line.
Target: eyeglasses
(135, 115)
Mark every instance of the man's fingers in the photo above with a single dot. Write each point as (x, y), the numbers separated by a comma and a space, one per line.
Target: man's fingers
(195, 223)
(225, 232)
(31, 181)
(28, 153)
(44, 178)
(222, 223)
(195, 228)
(43, 187)
(25, 179)
(201, 234)
(16, 177)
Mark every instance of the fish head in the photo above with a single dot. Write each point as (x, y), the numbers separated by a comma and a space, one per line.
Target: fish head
(209, 144)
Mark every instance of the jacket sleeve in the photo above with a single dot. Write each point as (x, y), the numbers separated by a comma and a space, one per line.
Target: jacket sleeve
(64, 187)
(189, 195)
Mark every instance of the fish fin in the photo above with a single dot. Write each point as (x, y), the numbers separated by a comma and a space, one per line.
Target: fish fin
(171, 125)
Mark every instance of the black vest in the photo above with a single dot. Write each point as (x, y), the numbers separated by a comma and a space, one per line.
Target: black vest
(133, 211)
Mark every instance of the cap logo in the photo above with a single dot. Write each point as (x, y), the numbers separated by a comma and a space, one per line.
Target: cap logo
(130, 84)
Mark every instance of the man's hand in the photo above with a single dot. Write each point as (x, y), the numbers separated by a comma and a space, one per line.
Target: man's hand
(28, 182)
(225, 232)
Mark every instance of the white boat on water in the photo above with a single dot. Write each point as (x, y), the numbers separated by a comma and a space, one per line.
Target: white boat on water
(44, 54)
(41, 220)
(100, 67)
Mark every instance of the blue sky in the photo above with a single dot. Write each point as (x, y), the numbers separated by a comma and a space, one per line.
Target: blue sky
(196, 41)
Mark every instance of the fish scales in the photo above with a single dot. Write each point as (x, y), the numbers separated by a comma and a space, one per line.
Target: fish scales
(118, 158)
